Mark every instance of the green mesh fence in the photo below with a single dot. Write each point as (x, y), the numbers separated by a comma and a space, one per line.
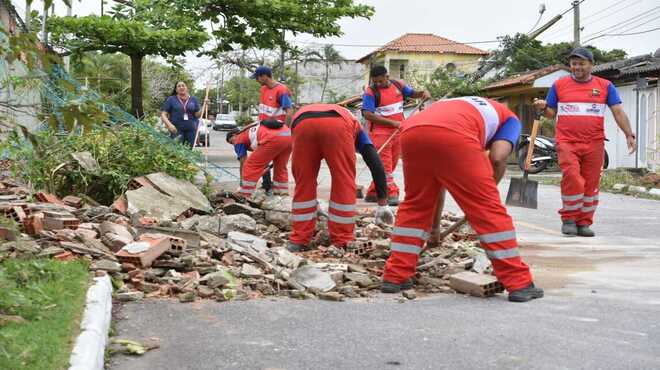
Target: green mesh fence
(54, 95)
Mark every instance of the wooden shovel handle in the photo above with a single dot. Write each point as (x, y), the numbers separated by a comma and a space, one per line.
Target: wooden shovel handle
(532, 140)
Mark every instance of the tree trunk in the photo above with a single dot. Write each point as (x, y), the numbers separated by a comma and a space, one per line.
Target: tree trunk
(136, 86)
(325, 81)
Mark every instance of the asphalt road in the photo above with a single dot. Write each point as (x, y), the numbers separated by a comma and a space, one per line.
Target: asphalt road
(600, 311)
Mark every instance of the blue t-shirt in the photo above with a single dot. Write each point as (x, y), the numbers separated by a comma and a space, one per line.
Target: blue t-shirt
(173, 106)
(362, 140)
(241, 150)
(509, 131)
(369, 101)
(613, 97)
(285, 101)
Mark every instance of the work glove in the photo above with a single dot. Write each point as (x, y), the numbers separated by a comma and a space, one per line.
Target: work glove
(384, 215)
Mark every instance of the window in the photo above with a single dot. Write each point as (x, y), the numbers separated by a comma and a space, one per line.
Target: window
(402, 70)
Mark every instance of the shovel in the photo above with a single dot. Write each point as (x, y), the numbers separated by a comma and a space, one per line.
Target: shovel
(522, 191)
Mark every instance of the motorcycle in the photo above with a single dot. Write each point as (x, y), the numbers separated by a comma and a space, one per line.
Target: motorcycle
(544, 155)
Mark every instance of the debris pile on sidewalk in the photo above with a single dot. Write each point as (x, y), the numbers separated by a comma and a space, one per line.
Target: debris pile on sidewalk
(164, 238)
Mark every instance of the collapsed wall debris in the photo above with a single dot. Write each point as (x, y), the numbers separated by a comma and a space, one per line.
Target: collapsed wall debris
(164, 239)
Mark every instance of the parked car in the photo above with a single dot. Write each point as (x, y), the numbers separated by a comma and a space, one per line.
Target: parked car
(224, 122)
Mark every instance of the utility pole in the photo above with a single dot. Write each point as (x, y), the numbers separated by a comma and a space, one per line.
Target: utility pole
(44, 34)
(27, 15)
(67, 59)
(102, 3)
(282, 58)
(576, 23)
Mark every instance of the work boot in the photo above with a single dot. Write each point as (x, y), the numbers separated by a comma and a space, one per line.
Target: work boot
(526, 294)
(585, 231)
(293, 247)
(387, 287)
(569, 228)
(393, 201)
(370, 198)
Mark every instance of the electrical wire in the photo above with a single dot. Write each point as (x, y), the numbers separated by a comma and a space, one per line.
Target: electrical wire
(615, 10)
(626, 23)
(626, 34)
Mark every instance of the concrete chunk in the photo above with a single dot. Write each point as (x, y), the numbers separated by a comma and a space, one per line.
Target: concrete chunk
(312, 278)
(637, 189)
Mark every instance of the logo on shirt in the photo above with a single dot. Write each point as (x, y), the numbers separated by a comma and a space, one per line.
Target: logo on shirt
(595, 108)
(595, 92)
(569, 108)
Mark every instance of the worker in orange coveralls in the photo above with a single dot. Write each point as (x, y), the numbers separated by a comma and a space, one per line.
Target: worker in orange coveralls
(270, 141)
(330, 132)
(382, 106)
(444, 147)
(578, 101)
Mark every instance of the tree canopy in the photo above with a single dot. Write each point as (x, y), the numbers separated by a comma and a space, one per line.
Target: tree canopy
(519, 53)
(260, 23)
(133, 37)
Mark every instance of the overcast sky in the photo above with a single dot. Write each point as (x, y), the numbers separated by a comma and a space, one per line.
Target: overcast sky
(471, 21)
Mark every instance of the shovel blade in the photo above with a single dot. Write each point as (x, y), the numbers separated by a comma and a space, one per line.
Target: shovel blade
(523, 193)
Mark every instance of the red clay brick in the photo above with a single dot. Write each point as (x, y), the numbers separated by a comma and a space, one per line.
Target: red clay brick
(157, 246)
(72, 201)
(33, 224)
(48, 198)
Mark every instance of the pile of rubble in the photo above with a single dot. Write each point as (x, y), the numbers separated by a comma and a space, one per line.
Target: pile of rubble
(164, 238)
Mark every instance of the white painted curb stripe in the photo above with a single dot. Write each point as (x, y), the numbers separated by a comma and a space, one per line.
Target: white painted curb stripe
(89, 350)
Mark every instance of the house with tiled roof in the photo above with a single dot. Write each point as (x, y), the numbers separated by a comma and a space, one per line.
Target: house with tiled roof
(519, 91)
(421, 54)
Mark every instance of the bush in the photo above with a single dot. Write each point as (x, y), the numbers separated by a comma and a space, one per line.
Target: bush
(122, 153)
(243, 119)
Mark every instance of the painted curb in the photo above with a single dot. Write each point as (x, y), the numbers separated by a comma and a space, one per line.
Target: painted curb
(89, 350)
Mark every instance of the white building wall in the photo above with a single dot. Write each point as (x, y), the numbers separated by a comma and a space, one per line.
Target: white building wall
(617, 147)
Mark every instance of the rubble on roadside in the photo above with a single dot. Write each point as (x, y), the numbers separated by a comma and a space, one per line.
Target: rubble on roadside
(164, 239)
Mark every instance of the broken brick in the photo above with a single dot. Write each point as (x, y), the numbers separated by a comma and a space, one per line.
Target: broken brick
(72, 201)
(33, 224)
(48, 198)
(155, 246)
(51, 223)
(478, 285)
(65, 256)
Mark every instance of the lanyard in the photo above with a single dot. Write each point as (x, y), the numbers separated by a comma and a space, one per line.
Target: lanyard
(183, 104)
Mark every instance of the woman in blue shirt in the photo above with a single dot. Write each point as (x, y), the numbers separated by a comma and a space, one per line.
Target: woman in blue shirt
(180, 112)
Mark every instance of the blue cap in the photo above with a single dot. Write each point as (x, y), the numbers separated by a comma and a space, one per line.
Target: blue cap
(260, 71)
(582, 53)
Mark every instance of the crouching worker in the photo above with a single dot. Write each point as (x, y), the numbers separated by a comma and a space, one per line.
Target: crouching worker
(332, 133)
(444, 147)
(270, 141)
(241, 151)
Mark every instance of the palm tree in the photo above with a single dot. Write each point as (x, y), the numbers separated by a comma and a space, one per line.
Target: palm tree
(328, 56)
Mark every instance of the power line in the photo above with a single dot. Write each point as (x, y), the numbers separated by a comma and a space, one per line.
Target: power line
(571, 8)
(614, 11)
(626, 34)
(626, 22)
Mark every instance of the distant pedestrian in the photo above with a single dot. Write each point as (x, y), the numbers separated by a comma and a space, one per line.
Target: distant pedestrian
(180, 112)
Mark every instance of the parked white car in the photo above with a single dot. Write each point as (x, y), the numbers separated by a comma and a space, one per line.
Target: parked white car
(224, 122)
